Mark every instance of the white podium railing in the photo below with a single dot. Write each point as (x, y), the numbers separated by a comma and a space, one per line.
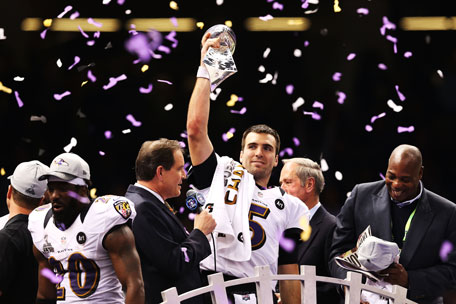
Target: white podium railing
(263, 277)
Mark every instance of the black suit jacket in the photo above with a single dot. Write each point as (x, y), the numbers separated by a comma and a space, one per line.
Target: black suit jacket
(169, 255)
(315, 251)
(434, 222)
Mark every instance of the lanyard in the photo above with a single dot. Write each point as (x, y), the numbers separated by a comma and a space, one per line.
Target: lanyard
(407, 225)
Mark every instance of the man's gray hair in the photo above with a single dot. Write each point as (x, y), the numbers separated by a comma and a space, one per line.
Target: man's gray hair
(308, 168)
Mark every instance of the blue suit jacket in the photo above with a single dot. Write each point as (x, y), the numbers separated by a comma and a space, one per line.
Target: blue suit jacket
(169, 256)
(434, 222)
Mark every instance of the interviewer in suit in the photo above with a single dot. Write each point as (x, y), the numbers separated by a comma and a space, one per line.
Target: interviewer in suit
(169, 255)
(401, 210)
(303, 178)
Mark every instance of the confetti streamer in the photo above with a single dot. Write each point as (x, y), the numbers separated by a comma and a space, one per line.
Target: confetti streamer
(66, 10)
(242, 111)
(340, 97)
(445, 250)
(146, 90)
(91, 76)
(266, 52)
(362, 11)
(5, 89)
(82, 32)
(113, 81)
(274, 80)
(172, 37)
(18, 99)
(71, 145)
(314, 115)
(164, 49)
(184, 251)
(288, 151)
(93, 22)
(296, 141)
(76, 196)
(76, 61)
(133, 121)
(401, 96)
(318, 105)
(440, 73)
(266, 79)
(336, 76)
(74, 15)
(387, 25)
(405, 129)
(165, 81)
(41, 118)
(299, 102)
(60, 96)
(351, 56)
(174, 21)
(374, 118)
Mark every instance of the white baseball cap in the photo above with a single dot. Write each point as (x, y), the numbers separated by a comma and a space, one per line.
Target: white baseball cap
(25, 178)
(376, 254)
(67, 167)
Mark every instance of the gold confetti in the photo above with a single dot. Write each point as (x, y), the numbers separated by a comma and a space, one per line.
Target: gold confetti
(47, 22)
(144, 68)
(2, 171)
(200, 25)
(93, 193)
(83, 83)
(228, 23)
(232, 101)
(337, 8)
(306, 229)
(5, 89)
(229, 135)
(173, 5)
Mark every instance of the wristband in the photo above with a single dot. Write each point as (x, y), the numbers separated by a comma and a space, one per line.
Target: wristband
(202, 72)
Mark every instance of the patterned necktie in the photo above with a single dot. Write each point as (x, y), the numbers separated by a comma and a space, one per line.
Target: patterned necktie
(169, 207)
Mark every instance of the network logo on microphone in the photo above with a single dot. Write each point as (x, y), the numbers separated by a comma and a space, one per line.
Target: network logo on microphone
(195, 201)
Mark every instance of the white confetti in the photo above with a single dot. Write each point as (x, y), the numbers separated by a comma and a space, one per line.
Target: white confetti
(261, 69)
(266, 79)
(392, 105)
(266, 52)
(297, 53)
(71, 145)
(338, 175)
(216, 94)
(299, 102)
(126, 131)
(440, 73)
(169, 107)
(18, 78)
(324, 165)
(59, 63)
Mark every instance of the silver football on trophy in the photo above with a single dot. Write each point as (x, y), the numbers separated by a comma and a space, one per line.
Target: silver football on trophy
(226, 34)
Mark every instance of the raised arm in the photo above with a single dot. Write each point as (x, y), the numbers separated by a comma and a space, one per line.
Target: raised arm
(120, 244)
(200, 145)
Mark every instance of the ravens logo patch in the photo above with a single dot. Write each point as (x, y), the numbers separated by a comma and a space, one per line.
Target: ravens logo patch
(123, 208)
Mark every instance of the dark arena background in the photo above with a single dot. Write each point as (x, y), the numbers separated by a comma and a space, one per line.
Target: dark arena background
(343, 82)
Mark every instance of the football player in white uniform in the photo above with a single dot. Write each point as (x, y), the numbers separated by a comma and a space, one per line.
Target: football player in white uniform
(271, 212)
(89, 245)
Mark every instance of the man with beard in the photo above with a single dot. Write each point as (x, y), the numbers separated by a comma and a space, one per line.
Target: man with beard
(401, 210)
(89, 245)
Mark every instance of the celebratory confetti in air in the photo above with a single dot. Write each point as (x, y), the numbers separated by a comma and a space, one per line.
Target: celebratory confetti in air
(76, 61)
(299, 102)
(445, 250)
(401, 96)
(113, 81)
(18, 99)
(405, 129)
(133, 121)
(71, 145)
(50, 275)
(226, 136)
(146, 90)
(60, 96)
(340, 97)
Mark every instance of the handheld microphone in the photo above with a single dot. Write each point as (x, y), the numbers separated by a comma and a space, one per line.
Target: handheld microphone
(195, 201)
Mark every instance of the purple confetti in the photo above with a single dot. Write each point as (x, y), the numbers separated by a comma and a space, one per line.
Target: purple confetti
(82, 32)
(97, 34)
(351, 56)
(133, 121)
(382, 176)
(93, 22)
(74, 15)
(408, 54)
(101, 153)
(164, 49)
(18, 99)
(108, 134)
(91, 76)
(336, 76)
(76, 196)
(113, 81)
(306, 43)
(288, 151)
(314, 115)
(76, 61)
(445, 250)
(172, 37)
(164, 81)
(277, 5)
(90, 42)
(341, 97)
(317, 105)
(387, 25)
(66, 10)
(60, 96)
(184, 134)
(401, 96)
(242, 111)
(362, 11)
(174, 21)
(382, 66)
(120, 2)
(181, 210)
(139, 45)
(296, 141)
(287, 244)
(225, 136)
(374, 118)
(391, 38)
(368, 128)
(182, 145)
(405, 129)
(50, 275)
(146, 90)
(191, 216)
(43, 34)
(289, 88)
(184, 251)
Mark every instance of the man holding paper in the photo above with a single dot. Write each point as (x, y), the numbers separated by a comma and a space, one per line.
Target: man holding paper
(419, 221)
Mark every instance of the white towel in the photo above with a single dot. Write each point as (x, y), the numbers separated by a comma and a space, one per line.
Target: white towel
(231, 219)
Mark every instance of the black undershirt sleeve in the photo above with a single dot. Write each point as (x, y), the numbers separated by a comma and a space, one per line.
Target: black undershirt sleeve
(201, 176)
(291, 257)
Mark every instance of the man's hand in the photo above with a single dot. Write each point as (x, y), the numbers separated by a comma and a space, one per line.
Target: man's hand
(396, 275)
(206, 43)
(204, 222)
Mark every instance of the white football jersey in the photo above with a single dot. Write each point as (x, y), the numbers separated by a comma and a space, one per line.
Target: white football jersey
(78, 254)
(271, 213)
